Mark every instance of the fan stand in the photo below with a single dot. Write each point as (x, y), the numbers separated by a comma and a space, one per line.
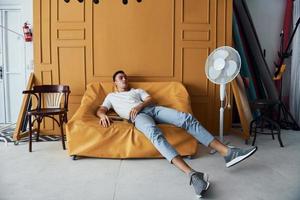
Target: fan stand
(222, 108)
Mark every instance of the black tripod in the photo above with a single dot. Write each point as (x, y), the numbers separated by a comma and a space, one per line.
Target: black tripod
(286, 121)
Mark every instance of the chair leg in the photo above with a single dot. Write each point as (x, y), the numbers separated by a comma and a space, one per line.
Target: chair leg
(38, 130)
(262, 124)
(65, 117)
(279, 138)
(272, 131)
(277, 127)
(255, 130)
(250, 132)
(61, 121)
(30, 133)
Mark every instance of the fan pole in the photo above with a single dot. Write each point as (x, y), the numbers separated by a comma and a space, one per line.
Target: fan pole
(222, 98)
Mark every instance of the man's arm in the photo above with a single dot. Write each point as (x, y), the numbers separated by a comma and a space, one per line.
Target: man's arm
(104, 119)
(146, 102)
(134, 111)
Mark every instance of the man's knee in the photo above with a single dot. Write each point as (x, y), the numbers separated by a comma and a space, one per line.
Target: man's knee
(153, 133)
(185, 119)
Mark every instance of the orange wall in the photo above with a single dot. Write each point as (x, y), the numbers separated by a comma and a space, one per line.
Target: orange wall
(77, 43)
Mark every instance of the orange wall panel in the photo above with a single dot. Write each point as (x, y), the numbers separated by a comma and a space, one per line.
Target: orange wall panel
(72, 68)
(137, 38)
(77, 43)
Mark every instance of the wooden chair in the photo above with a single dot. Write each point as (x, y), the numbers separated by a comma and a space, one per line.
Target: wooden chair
(51, 100)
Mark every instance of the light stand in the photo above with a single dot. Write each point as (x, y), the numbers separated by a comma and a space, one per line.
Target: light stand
(288, 122)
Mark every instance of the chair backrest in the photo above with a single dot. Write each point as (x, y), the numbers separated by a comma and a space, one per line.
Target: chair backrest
(51, 88)
(52, 95)
(53, 100)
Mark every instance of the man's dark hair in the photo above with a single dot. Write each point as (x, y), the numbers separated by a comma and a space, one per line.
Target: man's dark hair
(116, 73)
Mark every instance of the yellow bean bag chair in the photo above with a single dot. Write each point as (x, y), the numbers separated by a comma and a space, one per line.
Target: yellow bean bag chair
(85, 137)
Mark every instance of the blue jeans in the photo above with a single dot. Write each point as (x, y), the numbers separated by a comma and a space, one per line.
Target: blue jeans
(146, 121)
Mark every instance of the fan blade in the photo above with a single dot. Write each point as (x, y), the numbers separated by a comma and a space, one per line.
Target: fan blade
(219, 63)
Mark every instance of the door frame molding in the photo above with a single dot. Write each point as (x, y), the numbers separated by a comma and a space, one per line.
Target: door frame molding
(6, 8)
(10, 7)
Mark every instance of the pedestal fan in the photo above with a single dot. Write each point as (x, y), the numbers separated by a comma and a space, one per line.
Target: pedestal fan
(221, 67)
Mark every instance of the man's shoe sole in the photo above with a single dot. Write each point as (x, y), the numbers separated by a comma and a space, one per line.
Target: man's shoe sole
(240, 158)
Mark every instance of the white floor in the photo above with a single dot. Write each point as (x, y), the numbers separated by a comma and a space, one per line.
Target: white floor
(49, 173)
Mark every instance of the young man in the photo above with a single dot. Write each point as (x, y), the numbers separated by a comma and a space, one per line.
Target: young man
(136, 105)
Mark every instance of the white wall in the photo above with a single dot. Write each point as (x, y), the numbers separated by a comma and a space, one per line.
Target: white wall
(26, 7)
(27, 11)
(267, 16)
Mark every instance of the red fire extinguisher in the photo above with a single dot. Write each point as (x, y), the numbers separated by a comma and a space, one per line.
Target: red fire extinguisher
(27, 32)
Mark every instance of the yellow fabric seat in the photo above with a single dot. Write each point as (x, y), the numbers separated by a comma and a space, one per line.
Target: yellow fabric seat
(85, 137)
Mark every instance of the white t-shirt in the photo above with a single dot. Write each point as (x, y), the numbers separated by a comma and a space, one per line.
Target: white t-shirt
(123, 102)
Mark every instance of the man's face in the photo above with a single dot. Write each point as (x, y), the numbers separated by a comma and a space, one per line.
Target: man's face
(121, 81)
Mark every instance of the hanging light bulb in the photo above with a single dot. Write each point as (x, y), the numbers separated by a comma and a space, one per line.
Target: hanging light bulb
(125, 2)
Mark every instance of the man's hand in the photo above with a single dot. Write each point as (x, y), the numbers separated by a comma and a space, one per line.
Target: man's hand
(134, 111)
(105, 121)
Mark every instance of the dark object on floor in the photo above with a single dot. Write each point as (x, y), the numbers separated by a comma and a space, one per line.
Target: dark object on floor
(263, 123)
(74, 157)
(49, 99)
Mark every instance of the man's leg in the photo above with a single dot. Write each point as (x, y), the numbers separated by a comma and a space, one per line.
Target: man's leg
(199, 180)
(232, 156)
(181, 164)
(146, 124)
(219, 146)
(215, 144)
(192, 125)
